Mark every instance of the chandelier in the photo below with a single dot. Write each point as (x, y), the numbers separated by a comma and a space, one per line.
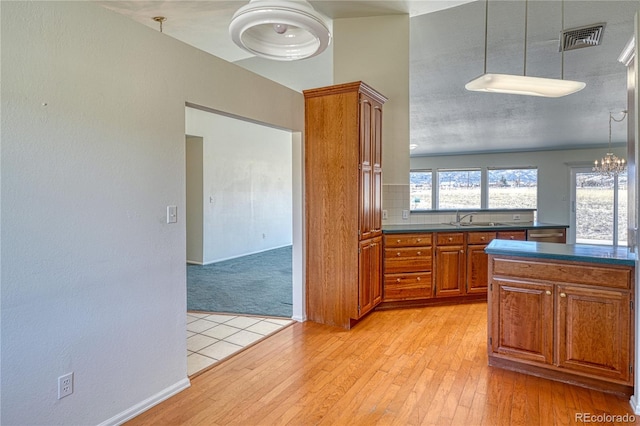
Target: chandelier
(610, 165)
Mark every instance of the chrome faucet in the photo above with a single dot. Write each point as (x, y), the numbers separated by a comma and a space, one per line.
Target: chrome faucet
(460, 218)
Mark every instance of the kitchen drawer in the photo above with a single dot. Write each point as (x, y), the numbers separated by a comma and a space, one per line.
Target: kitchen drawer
(408, 286)
(480, 237)
(512, 235)
(601, 276)
(408, 259)
(450, 238)
(408, 240)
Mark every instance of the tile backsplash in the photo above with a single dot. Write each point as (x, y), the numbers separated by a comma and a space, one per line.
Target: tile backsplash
(395, 200)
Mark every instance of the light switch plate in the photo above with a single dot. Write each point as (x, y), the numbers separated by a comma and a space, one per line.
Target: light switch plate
(172, 214)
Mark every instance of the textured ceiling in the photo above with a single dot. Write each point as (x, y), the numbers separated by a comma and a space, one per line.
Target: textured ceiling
(447, 50)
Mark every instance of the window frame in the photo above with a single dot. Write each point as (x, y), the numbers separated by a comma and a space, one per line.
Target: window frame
(484, 184)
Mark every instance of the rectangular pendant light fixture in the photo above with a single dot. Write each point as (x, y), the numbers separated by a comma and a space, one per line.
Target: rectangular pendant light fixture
(522, 84)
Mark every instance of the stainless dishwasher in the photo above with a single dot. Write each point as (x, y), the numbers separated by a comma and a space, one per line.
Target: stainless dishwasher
(547, 235)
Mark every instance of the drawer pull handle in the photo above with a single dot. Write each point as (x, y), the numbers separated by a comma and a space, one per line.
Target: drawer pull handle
(397, 280)
(548, 293)
(398, 254)
(418, 279)
(419, 239)
(563, 294)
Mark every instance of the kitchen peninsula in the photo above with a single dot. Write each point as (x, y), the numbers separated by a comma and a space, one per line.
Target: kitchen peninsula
(562, 311)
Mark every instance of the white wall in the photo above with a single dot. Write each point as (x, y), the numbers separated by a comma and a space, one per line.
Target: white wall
(93, 151)
(194, 199)
(553, 173)
(248, 174)
(376, 51)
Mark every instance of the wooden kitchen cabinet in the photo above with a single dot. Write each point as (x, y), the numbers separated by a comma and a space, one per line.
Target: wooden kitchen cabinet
(512, 235)
(450, 265)
(370, 275)
(343, 202)
(564, 320)
(593, 336)
(522, 326)
(408, 265)
(477, 261)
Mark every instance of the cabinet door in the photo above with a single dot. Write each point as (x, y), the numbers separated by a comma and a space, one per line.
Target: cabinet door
(366, 168)
(450, 266)
(477, 269)
(376, 181)
(594, 331)
(522, 320)
(370, 279)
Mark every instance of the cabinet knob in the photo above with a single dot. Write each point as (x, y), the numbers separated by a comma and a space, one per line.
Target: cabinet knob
(418, 279)
(461, 251)
(482, 238)
(419, 239)
(398, 254)
(399, 241)
(563, 294)
(419, 253)
(397, 280)
(511, 237)
(450, 238)
(548, 293)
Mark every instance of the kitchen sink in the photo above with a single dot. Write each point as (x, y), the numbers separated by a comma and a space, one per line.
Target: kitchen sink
(477, 224)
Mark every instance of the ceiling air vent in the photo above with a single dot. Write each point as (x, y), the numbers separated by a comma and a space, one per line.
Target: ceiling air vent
(577, 38)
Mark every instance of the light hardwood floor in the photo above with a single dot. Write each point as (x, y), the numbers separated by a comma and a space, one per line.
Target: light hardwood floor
(405, 367)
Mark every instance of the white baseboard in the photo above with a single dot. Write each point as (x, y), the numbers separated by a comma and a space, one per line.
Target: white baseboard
(143, 406)
(299, 319)
(242, 255)
(635, 404)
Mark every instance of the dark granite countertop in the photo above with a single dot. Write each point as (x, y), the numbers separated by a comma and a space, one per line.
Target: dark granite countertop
(437, 227)
(570, 252)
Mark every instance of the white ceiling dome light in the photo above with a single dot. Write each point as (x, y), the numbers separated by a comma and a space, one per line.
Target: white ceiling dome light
(283, 30)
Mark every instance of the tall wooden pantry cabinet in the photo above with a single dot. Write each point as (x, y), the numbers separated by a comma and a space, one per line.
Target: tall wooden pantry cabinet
(343, 202)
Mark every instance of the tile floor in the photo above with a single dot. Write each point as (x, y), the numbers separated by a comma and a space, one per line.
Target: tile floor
(214, 337)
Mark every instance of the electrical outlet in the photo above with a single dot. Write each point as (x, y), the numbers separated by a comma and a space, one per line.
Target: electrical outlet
(516, 217)
(385, 215)
(65, 385)
(405, 214)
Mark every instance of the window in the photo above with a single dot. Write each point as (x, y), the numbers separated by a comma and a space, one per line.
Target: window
(515, 188)
(459, 189)
(420, 189)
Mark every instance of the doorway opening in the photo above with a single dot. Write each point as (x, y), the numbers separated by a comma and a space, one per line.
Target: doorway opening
(240, 219)
(598, 208)
(239, 210)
